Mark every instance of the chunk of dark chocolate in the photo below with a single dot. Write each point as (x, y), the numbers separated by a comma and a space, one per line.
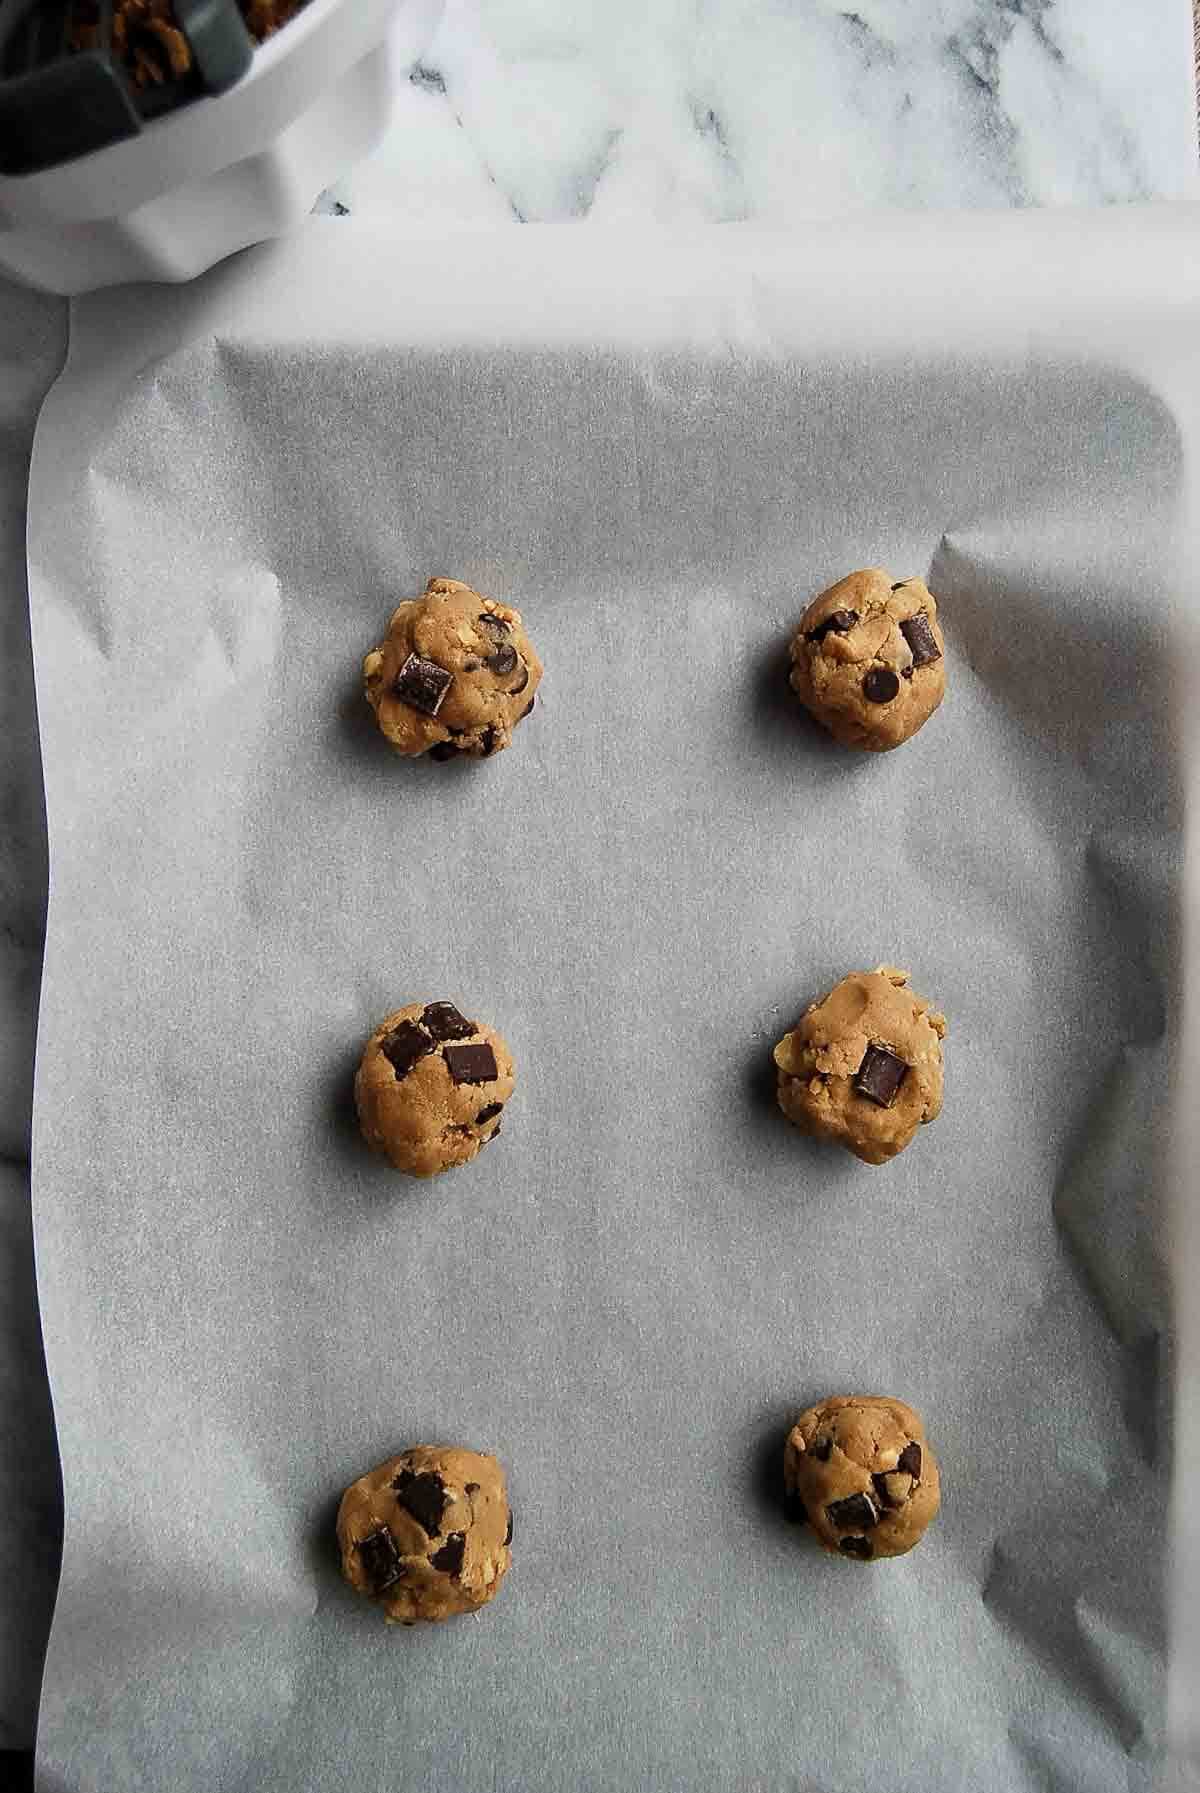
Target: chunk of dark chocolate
(504, 660)
(880, 685)
(471, 1487)
(488, 1114)
(840, 623)
(380, 1559)
(405, 1046)
(910, 1461)
(855, 1513)
(495, 626)
(422, 684)
(424, 1496)
(471, 1064)
(920, 638)
(821, 1449)
(449, 1559)
(857, 1547)
(880, 1075)
(444, 1022)
(444, 750)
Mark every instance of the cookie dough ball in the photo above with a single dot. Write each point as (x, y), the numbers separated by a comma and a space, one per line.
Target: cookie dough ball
(427, 1534)
(868, 659)
(864, 1065)
(455, 674)
(431, 1086)
(861, 1469)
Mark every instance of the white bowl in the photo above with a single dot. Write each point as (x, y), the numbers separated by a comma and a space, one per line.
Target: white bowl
(225, 172)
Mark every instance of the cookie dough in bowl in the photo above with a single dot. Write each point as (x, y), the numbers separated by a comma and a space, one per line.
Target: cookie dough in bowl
(454, 675)
(427, 1533)
(861, 1470)
(868, 659)
(431, 1087)
(863, 1066)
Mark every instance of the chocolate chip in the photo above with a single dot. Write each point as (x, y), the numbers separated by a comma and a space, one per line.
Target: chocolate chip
(488, 1114)
(508, 1533)
(857, 1547)
(503, 660)
(444, 1022)
(920, 638)
(892, 1488)
(840, 623)
(910, 1461)
(444, 750)
(489, 741)
(880, 685)
(471, 1064)
(471, 1487)
(855, 1513)
(380, 1559)
(880, 1075)
(449, 1559)
(906, 672)
(900, 584)
(422, 684)
(424, 1496)
(794, 1510)
(821, 1449)
(405, 1046)
(495, 626)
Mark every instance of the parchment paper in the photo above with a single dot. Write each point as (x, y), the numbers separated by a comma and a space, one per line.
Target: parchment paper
(658, 449)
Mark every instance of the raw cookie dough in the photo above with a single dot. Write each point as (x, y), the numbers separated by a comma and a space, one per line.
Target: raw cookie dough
(455, 674)
(868, 659)
(864, 1065)
(431, 1086)
(427, 1533)
(860, 1468)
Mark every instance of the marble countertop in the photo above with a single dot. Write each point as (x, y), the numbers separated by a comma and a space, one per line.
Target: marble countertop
(672, 111)
(685, 110)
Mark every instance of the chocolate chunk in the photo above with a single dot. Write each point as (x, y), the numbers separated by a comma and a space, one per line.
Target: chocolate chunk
(422, 684)
(488, 1114)
(880, 1075)
(794, 1510)
(856, 1547)
(380, 1559)
(444, 750)
(489, 1137)
(444, 1022)
(495, 626)
(424, 1496)
(405, 1046)
(471, 1064)
(821, 1449)
(449, 1559)
(840, 623)
(900, 584)
(855, 1513)
(892, 1488)
(910, 1461)
(880, 685)
(919, 636)
(503, 660)
(508, 1533)
(489, 741)
(471, 1487)
(906, 672)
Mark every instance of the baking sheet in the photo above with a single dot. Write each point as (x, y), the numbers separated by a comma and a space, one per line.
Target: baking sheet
(658, 450)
